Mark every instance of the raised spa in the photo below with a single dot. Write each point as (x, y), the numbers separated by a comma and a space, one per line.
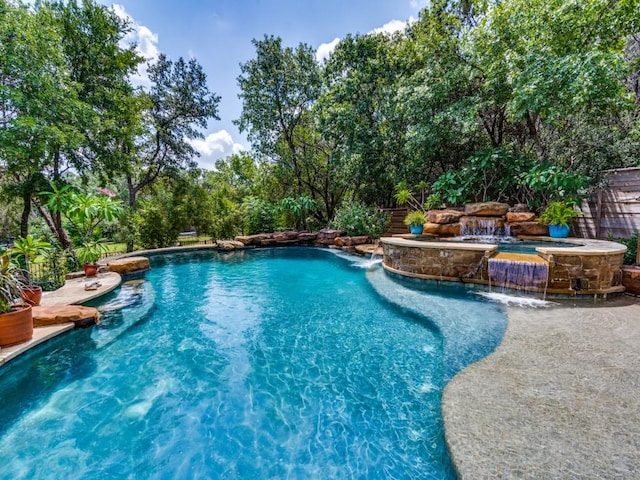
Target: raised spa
(573, 267)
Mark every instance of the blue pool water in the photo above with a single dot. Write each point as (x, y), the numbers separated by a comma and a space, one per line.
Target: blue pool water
(292, 363)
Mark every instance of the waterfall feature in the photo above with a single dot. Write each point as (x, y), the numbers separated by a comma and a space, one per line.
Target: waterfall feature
(482, 227)
(512, 270)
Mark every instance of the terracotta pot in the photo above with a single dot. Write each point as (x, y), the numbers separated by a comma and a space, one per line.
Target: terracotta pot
(31, 294)
(90, 269)
(16, 326)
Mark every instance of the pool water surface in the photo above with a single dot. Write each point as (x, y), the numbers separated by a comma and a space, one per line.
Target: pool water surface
(289, 363)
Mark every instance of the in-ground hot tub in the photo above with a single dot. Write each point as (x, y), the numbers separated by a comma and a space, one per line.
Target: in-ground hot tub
(582, 267)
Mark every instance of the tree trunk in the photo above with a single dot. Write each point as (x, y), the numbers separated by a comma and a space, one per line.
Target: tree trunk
(26, 212)
(55, 227)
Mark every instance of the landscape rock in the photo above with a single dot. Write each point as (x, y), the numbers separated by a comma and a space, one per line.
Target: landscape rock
(369, 249)
(127, 265)
(442, 230)
(57, 314)
(252, 239)
(228, 245)
(285, 236)
(519, 207)
(631, 279)
(529, 228)
(326, 236)
(360, 239)
(486, 209)
(305, 237)
(513, 217)
(444, 216)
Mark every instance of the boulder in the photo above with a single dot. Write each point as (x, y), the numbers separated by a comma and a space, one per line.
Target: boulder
(326, 236)
(342, 241)
(443, 216)
(360, 239)
(486, 209)
(129, 265)
(529, 228)
(519, 207)
(442, 230)
(305, 237)
(631, 279)
(513, 217)
(56, 314)
(228, 245)
(369, 248)
(252, 239)
(285, 236)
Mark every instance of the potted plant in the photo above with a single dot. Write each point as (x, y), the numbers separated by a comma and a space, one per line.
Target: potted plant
(16, 320)
(415, 221)
(88, 254)
(559, 215)
(27, 249)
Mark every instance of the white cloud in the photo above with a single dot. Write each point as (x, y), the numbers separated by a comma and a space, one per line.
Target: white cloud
(216, 145)
(419, 4)
(392, 27)
(147, 45)
(325, 49)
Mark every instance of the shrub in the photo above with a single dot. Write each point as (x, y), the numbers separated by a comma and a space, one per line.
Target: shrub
(259, 216)
(354, 218)
(415, 218)
(632, 248)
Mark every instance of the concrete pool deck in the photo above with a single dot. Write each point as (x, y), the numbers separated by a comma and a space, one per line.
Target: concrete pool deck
(558, 399)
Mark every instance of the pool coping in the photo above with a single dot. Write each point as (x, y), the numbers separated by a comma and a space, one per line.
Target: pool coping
(71, 293)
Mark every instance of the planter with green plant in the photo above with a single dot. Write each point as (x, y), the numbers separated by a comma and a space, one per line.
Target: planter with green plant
(27, 249)
(16, 320)
(559, 216)
(88, 254)
(415, 220)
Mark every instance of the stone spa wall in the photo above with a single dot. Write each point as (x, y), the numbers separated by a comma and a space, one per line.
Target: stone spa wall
(583, 267)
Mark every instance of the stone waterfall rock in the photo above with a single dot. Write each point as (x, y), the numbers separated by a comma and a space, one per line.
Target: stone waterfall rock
(529, 228)
(514, 217)
(444, 216)
(486, 209)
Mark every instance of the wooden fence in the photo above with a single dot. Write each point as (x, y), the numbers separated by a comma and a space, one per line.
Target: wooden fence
(396, 224)
(614, 209)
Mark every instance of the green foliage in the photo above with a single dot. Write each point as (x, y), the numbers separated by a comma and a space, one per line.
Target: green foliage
(91, 251)
(452, 187)
(26, 249)
(155, 227)
(551, 183)
(11, 282)
(259, 215)
(354, 218)
(631, 255)
(86, 212)
(415, 218)
(559, 213)
(296, 210)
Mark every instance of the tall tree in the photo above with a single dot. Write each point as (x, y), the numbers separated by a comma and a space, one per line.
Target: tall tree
(279, 88)
(179, 104)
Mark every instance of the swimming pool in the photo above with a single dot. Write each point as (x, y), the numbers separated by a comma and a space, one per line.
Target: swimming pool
(292, 363)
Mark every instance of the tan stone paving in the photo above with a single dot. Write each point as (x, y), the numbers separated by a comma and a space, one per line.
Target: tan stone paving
(72, 293)
(558, 399)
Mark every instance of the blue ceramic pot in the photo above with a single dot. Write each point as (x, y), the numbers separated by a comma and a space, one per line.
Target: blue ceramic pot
(416, 229)
(559, 231)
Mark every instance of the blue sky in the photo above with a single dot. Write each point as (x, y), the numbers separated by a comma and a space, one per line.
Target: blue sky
(218, 34)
